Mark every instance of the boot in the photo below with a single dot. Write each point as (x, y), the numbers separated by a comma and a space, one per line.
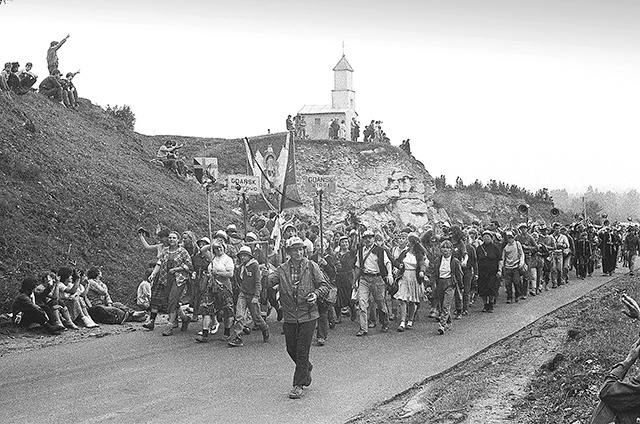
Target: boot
(51, 329)
(89, 322)
(68, 322)
(55, 321)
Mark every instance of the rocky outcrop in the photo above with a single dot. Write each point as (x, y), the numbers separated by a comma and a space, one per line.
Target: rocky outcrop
(379, 182)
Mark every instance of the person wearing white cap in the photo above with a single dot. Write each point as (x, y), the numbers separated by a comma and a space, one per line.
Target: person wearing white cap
(300, 283)
(512, 264)
(248, 296)
(373, 270)
(198, 284)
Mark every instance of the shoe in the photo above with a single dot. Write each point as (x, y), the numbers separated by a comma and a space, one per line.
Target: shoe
(400, 328)
(168, 331)
(265, 335)
(361, 333)
(51, 329)
(392, 318)
(237, 342)
(440, 329)
(215, 328)
(509, 301)
(202, 339)
(125, 318)
(457, 316)
(225, 335)
(532, 292)
(385, 328)
(88, 322)
(515, 299)
(465, 312)
(554, 287)
(523, 297)
(70, 325)
(246, 330)
(372, 325)
(409, 325)
(138, 316)
(149, 325)
(320, 342)
(332, 325)
(447, 327)
(296, 393)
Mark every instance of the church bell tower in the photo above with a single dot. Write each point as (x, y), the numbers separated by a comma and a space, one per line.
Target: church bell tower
(342, 95)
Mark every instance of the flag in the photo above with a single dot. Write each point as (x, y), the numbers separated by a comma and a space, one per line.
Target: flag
(273, 161)
(205, 169)
(290, 197)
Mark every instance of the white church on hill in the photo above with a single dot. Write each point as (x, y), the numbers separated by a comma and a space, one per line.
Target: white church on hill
(343, 104)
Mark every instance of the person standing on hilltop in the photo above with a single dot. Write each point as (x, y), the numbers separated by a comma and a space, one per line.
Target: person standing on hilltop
(289, 124)
(355, 129)
(52, 54)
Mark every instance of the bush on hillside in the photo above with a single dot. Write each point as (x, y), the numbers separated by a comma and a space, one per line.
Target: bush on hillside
(124, 114)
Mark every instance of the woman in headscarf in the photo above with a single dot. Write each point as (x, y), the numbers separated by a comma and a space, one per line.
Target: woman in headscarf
(489, 270)
(412, 265)
(432, 252)
(345, 272)
(217, 299)
(173, 269)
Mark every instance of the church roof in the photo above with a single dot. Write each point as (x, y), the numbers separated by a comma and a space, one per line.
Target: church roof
(343, 65)
(318, 109)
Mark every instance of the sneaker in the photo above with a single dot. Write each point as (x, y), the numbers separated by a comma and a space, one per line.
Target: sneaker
(320, 342)
(400, 328)
(440, 329)
(215, 328)
(523, 297)
(361, 333)
(202, 339)
(296, 393)
(372, 325)
(149, 325)
(265, 335)
(409, 325)
(385, 328)
(237, 342)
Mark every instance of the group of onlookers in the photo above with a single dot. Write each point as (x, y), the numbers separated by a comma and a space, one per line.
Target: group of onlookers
(16, 80)
(297, 125)
(67, 298)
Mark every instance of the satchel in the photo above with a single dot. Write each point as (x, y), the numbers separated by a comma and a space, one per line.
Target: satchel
(333, 294)
(392, 288)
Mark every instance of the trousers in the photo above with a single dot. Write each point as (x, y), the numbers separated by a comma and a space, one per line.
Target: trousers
(374, 286)
(298, 337)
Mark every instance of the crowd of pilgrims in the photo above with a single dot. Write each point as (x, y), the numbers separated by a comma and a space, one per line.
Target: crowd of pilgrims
(374, 276)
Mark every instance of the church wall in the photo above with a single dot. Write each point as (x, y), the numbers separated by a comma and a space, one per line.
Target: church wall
(320, 131)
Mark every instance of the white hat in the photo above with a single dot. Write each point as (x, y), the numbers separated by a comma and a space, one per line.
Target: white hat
(245, 250)
(294, 242)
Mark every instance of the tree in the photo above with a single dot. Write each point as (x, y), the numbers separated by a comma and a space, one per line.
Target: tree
(124, 114)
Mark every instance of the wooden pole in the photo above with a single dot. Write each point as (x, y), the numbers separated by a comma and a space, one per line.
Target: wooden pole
(208, 188)
(244, 212)
(321, 255)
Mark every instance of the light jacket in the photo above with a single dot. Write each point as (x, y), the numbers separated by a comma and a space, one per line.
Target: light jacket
(293, 297)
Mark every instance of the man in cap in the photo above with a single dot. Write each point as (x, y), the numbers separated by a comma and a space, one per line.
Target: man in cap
(528, 247)
(249, 296)
(27, 77)
(300, 283)
(512, 263)
(373, 270)
(632, 247)
(52, 54)
(559, 253)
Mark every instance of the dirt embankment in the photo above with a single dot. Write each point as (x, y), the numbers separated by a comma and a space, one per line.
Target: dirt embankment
(550, 372)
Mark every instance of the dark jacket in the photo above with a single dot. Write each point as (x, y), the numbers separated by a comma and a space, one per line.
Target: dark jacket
(49, 82)
(456, 272)
(293, 297)
(619, 398)
(250, 278)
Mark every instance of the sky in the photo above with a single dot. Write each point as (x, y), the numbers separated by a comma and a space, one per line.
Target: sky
(538, 93)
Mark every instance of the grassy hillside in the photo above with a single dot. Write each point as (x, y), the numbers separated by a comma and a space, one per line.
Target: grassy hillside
(77, 182)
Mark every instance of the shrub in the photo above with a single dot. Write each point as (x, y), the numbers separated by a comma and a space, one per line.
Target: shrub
(124, 114)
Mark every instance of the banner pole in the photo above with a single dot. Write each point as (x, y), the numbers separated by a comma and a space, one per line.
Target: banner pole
(244, 212)
(209, 208)
(321, 255)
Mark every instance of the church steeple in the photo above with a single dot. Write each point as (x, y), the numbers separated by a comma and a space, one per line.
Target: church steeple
(343, 96)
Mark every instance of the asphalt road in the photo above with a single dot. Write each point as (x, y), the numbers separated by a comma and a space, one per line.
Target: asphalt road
(143, 377)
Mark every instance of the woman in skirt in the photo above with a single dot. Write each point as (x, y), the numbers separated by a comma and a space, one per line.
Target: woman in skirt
(412, 264)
